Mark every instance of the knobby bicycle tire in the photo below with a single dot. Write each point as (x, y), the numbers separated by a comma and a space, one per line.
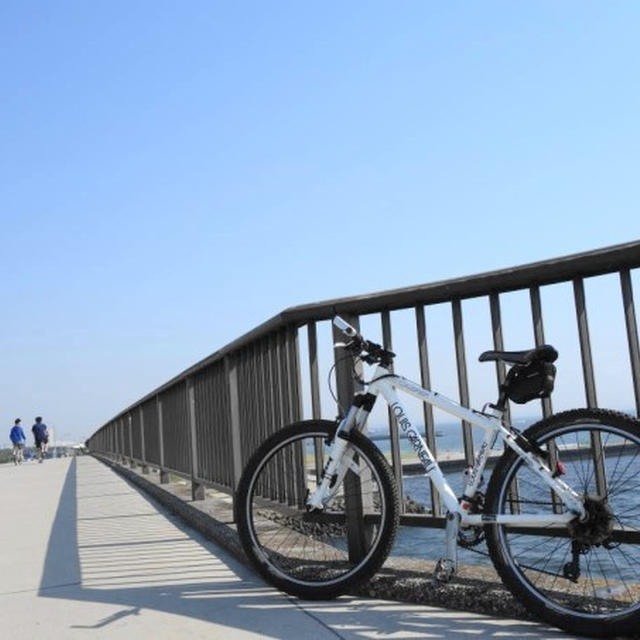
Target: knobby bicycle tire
(585, 578)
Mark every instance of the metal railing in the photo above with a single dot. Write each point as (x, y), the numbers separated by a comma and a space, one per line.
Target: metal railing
(205, 423)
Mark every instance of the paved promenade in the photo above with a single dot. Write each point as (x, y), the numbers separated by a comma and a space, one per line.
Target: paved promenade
(85, 555)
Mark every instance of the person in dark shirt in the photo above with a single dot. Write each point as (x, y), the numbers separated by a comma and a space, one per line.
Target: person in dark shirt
(18, 440)
(41, 436)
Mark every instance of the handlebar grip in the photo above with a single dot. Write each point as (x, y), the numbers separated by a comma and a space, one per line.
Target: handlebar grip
(345, 327)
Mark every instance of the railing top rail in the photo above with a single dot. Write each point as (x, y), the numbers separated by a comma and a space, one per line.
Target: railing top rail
(591, 263)
(581, 265)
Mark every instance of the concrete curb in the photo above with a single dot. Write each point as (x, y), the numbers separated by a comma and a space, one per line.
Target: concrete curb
(477, 595)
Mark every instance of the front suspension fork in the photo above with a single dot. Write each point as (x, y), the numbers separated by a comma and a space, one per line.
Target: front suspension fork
(336, 466)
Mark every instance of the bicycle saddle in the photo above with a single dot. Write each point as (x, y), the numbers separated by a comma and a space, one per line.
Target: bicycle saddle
(543, 353)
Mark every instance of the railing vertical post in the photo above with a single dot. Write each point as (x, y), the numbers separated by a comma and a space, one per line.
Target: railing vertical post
(314, 380)
(125, 458)
(425, 379)
(547, 409)
(231, 371)
(463, 384)
(314, 376)
(498, 343)
(145, 466)
(538, 331)
(289, 362)
(589, 382)
(116, 441)
(294, 375)
(393, 425)
(132, 462)
(357, 532)
(346, 385)
(585, 343)
(632, 333)
(120, 427)
(197, 488)
(164, 476)
(123, 449)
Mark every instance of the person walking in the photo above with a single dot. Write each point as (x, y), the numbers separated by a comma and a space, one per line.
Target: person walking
(41, 436)
(18, 440)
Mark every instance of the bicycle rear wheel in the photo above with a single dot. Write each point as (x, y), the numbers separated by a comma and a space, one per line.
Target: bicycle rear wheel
(584, 577)
(315, 555)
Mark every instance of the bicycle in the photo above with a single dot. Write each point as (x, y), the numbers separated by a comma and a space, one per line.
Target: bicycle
(317, 505)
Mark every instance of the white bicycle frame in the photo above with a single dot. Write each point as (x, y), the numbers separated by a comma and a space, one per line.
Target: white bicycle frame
(386, 384)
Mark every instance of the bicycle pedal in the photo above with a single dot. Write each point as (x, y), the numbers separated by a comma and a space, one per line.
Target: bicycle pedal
(445, 568)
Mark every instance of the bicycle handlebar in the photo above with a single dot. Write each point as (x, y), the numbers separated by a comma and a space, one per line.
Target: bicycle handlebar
(345, 327)
(373, 352)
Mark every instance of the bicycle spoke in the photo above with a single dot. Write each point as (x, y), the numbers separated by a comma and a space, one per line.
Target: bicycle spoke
(564, 560)
(590, 580)
(599, 460)
(621, 484)
(311, 548)
(542, 543)
(629, 561)
(548, 556)
(631, 510)
(582, 573)
(612, 482)
(617, 568)
(582, 477)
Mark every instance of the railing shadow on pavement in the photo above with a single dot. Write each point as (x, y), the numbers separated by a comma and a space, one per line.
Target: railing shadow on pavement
(128, 552)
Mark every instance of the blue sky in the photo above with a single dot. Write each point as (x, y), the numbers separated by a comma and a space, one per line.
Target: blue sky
(172, 174)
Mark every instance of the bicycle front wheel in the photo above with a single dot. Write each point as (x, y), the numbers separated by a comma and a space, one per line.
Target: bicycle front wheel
(315, 555)
(585, 576)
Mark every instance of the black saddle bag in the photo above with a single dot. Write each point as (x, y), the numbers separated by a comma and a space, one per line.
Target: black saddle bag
(526, 382)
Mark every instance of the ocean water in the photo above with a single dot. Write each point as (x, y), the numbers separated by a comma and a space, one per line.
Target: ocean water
(423, 542)
(428, 543)
(448, 435)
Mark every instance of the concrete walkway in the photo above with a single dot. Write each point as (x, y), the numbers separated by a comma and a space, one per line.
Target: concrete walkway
(85, 555)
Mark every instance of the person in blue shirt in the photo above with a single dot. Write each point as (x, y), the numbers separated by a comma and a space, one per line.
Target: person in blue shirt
(18, 440)
(41, 436)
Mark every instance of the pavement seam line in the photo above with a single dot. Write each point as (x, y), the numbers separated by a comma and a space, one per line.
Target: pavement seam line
(53, 586)
(297, 605)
